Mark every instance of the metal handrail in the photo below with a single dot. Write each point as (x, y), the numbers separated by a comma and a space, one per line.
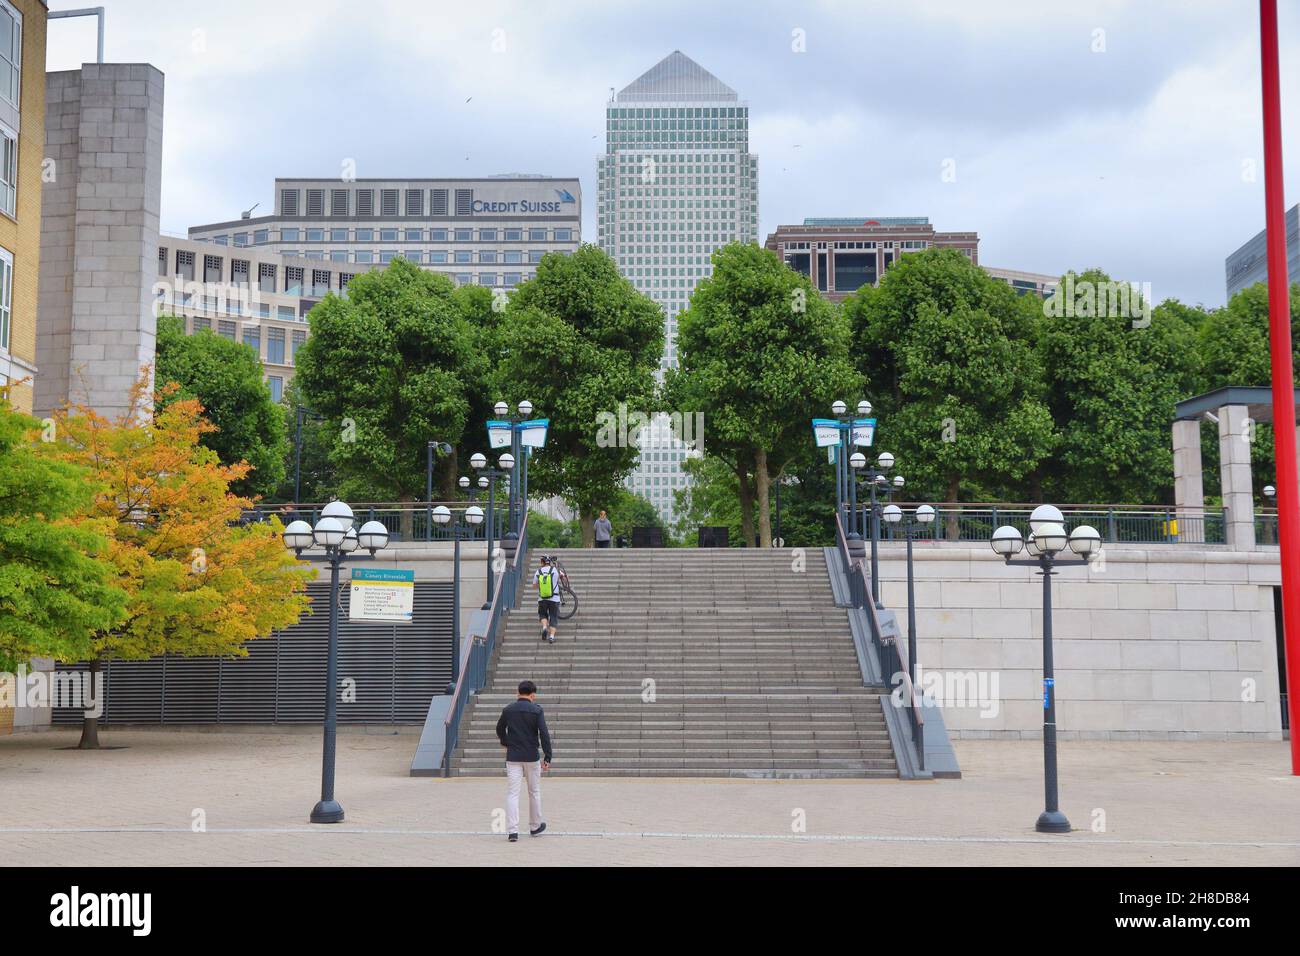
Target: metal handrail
(473, 676)
(890, 653)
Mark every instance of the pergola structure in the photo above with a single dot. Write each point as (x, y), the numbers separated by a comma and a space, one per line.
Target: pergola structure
(1236, 409)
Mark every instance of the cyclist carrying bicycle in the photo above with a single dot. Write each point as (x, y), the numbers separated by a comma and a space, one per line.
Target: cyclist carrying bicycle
(547, 579)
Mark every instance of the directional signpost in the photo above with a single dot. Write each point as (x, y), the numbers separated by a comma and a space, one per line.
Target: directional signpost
(382, 595)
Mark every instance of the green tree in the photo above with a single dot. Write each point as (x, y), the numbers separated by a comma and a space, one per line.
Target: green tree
(314, 469)
(580, 341)
(760, 353)
(390, 368)
(1113, 376)
(955, 381)
(57, 587)
(226, 379)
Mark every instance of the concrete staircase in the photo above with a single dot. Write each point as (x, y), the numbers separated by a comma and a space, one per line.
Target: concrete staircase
(689, 662)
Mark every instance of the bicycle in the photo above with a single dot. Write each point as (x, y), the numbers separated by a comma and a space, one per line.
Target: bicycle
(568, 597)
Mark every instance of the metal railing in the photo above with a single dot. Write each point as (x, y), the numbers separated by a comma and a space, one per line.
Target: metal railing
(473, 676)
(891, 654)
(405, 520)
(1121, 524)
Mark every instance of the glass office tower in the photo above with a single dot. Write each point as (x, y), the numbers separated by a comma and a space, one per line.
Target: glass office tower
(676, 181)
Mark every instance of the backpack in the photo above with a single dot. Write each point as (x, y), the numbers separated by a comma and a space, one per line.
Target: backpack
(546, 583)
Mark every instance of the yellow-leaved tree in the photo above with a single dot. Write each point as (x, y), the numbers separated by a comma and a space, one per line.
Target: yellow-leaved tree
(199, 581)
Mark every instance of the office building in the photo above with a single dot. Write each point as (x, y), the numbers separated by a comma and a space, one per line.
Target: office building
(840, 255)
(491, 231)
(22, 150)
(1249, 264)
(248, 295)
(676, 181)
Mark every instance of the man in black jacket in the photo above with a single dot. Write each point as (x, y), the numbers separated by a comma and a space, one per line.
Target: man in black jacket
(519, 728)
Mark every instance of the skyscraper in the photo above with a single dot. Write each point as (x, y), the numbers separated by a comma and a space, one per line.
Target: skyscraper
(676, 181)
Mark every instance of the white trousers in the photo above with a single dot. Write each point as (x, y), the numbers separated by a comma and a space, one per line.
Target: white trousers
(515, 773)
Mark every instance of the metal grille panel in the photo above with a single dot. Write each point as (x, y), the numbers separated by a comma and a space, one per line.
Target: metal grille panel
(388, 673)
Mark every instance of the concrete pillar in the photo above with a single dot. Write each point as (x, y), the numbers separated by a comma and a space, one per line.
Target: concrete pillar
(1189, 489)
(99, 234)
(1234, 472)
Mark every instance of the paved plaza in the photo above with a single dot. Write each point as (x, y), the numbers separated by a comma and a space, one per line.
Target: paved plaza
(1196, 803)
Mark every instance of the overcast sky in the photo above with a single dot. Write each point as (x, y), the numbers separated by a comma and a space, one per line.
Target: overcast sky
(1124, 135)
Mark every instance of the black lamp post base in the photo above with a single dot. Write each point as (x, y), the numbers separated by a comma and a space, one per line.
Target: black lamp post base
(327, 811)
(1052, 821)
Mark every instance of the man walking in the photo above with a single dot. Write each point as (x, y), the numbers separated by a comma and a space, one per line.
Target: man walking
(519, 728)
(603, 531)
(547, 581)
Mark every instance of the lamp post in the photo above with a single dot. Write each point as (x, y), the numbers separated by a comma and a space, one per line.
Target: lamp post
(519, 463)
(920, 521)
(333, 532)
(443, 449)
(1047, 540)
(488, 479)
(301, 413)
(876, 478)
(473, 518)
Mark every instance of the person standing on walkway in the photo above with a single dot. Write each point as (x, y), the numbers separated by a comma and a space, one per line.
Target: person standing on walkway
(521, 726)
(604, 530)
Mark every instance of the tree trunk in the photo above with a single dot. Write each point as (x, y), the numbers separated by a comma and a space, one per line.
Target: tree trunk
(951, 529)
(89, 722)
(746, 510)
(586, 522)
(407, 525)
(451, 490)
(763, 483)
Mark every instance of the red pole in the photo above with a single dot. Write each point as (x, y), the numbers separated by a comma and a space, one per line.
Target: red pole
(1279, 339)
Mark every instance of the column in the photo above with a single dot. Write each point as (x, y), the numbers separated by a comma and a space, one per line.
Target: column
(1189, 489)
(1234, 473)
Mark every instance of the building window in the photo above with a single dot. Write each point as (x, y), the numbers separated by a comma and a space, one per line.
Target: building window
(338, 235)
(253, 339)
(162, 260)
(239, 271)
(11, 53)
(535, 255)
(412, 255)
(299, 340)
(514, 235)
(365, 202)
(226, 329)
(437, 202)
(387, 235)
(339, 255)
(464, 202)
(513, 257)
(365, 255)
(8, 171)
(265, 277)
(275, 346)
(202, 324)
(293, 280)
(415, 202)
(464, 256)
(315, 235)
(289, 202)
(462, 278)
(388, 203)
(563, 235)
(512, 279)
(536, 235)
(338, 202)
(285, 313)
(386, 256)
(488, 255)
(277, 387)
(185, 264)
(464, 235)
(289, 235)
(437, 235)
(487, 235)
(365, 235)
(487, 278)
(436, 258)
(413, 235)
(315, 203)
(212, 268)
(260, 236)
(6, 295)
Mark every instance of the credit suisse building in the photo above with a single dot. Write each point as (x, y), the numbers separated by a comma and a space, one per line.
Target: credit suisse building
(491, 231)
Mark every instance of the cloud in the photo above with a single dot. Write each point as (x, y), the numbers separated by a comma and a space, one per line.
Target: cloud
(1108, 133)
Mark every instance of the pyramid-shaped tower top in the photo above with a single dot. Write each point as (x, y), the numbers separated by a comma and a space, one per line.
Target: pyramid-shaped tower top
(676, 78)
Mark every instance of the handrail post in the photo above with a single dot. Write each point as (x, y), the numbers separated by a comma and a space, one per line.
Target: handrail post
(1111, 531)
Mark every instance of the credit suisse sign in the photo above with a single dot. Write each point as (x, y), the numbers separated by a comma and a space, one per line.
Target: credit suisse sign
(524, 205)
